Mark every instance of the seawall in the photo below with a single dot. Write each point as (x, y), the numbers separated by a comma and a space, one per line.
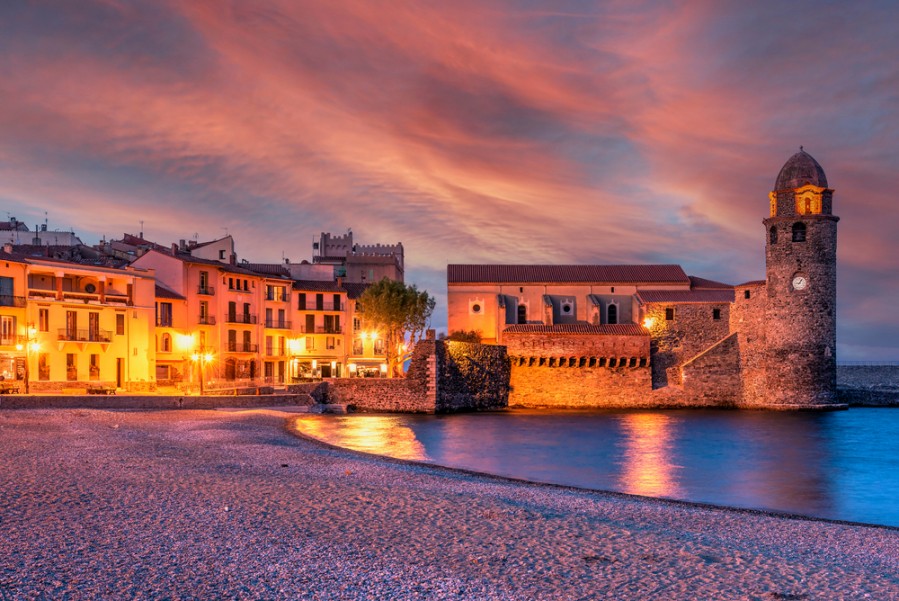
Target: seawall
(868, 385)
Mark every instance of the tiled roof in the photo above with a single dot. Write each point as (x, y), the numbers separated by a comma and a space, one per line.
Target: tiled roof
(753, 283)
(696, 283)
(687, 296)
(267, 268)
(163, 292)
(612, 274)
(622, 329)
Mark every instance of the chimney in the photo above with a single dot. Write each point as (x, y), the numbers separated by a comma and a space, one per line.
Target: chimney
(233, 259)
(340, 281)
(175, 248)
(182, 244)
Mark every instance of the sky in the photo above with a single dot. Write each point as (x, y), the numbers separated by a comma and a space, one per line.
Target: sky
(471, 131)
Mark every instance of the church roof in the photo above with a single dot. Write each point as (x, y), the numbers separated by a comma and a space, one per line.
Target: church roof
(533, 274)
(621, 329)
(720, 295)
(799, 170)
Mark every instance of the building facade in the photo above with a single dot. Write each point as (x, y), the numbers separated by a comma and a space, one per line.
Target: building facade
(649, 335)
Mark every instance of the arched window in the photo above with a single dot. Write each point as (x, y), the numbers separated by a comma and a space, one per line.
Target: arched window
(612, 314)
(798, 232)
(773, 235)
(522, 314)
(166, 343)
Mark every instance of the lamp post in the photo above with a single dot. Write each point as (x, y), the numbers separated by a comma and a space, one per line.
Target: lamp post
(185, 343)
(31, 344)
(201, 359)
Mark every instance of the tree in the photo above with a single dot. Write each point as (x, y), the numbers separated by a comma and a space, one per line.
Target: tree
(465, 336)
(401, 315)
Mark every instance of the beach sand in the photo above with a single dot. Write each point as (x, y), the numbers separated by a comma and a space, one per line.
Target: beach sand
(227, 504)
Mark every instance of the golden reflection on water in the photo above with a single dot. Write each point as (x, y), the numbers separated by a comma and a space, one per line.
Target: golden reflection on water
(648, 463)
(378, 434)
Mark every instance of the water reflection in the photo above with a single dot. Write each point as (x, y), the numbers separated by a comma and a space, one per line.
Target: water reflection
(648, 468)
(379, 434)
(839, 465)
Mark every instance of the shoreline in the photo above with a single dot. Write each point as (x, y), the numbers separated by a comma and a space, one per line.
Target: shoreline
(202, 503)
(600, 491)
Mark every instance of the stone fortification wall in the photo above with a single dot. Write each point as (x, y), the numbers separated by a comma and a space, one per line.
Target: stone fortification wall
(747, 321)
(713, 377)
(578, 370)
(868, 385)
(692, 331)
(443, 377)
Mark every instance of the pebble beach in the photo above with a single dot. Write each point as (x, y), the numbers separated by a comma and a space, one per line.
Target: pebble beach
(217, 504)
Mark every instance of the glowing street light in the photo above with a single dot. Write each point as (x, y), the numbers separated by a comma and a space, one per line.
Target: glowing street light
(31, 345)
(202, 359)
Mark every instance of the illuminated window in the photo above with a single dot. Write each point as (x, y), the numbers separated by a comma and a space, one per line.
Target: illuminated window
(43, 320)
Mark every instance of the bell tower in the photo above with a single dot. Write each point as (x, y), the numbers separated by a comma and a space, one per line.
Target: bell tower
(801, 274)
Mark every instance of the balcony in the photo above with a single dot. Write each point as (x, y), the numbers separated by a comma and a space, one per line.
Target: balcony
(278, 298)
(242, 347)
(246, 318)
(321, 330)
(7, 300)
(275, 352)
(164, 322)
(278, 324)
(206, 290)
(321, 307)
(206, 320)
(68, 335)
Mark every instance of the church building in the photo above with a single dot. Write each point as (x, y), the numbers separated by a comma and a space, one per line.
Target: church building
(652, 336)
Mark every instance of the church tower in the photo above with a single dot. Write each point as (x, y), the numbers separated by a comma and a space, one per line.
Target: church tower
(801, 270)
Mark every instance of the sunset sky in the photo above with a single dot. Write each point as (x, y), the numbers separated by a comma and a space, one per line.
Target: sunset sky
(472, 131)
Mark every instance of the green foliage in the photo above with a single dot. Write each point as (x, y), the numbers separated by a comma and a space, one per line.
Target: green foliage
(401, 314)
(465, 336)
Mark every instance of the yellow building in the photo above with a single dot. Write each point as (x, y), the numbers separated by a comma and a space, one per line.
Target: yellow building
(70, 326)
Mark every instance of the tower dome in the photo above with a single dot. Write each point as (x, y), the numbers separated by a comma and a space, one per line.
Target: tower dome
(799, 170)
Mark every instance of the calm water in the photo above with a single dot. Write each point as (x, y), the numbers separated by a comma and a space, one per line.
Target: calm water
(842, 465)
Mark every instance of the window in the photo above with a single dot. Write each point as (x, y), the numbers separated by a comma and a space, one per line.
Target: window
(247, 344)
(522, 313)
(164, 314)
(269, 346)
(357, 324)
(166, 343)
(772, 236)
(746, 294)
(330, 343)
(120, 324)
(232, 311)
(204, 312)
(221, 254)
(310, 324)
(716, 314)
(669, 314)
(231, 283)
(268, 318)
(7, 292)
(357, 346)
(301, 301)
(204, 281)
(798, 232)
(337, 302)
(71, 367)
(379, 346)
(246, 285)
(43, 320)
(7, 330)
(612, 314)
(310, 343)
(319, 301)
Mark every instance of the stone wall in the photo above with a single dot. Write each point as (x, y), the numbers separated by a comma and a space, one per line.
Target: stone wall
(578, 370)
(868, 385)
(713, 377)
(674, 342)
(443, 377)
(747, 320)
(125, 401)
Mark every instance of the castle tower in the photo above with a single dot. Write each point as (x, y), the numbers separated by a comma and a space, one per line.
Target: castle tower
(801, 269)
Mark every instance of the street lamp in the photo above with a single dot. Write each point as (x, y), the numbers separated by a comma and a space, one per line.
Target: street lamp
(185, 344)
(202, 359)
(31, 345)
